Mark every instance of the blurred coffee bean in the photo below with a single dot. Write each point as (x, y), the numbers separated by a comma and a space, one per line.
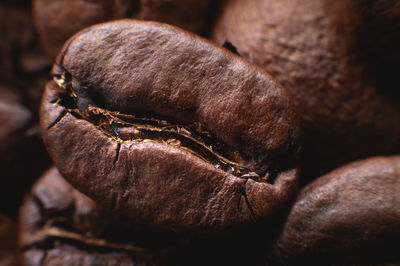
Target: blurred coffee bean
(24, 65)
(8, 245)
(17, 34)
(57, 20)
(24, 72)
(22, 154)
(350, 215)
(377, 22)
(60, 226)
(190, 15)
(312, 48)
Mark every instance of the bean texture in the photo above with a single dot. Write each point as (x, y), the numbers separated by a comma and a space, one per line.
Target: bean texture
(169, 128)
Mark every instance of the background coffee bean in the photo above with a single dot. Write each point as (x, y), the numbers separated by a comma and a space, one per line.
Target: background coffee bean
(232, 144)
(8, 244)
(60, 225)
(340, 88)
(350, 215)
(22, 155)
(24, 66)
(57, 20)
(198, 123)
(377, 24)
(24, 71)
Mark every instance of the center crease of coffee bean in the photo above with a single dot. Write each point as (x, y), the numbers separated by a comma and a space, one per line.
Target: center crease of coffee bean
(69, 236)
(58, 230)
(124, 128)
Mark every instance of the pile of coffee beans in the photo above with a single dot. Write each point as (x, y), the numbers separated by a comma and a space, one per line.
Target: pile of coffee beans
(173, 132)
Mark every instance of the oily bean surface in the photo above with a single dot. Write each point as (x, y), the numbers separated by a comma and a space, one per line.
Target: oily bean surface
(350, 215)
(133, 69)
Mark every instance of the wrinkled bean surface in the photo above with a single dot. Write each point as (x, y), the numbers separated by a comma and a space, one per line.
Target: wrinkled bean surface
(165, 126)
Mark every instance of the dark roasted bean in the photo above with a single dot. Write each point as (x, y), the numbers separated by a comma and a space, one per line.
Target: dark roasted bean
(57, 20)
(350, 215)
(8, 244)
(170, 129)
(58, 225)
(22, 155)
(339, 87)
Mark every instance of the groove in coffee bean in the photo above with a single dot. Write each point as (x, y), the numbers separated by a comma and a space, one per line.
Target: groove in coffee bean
(58, 229)
(131, 128)
(56, 235)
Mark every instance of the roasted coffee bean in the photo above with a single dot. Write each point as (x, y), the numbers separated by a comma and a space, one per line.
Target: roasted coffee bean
(377, 23)
(170, 129)
(191, 15)
(314, 49)
(17, 34)
(8, 244)
(61, 226)
(57, 20)
(350, 215)
(22, 155)
(24, 66)
(15, 120)
(24, 72)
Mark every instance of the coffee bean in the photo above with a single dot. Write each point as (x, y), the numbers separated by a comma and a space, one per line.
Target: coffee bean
(339, 87)
(350, 215)
(23, 75)
(57, 20)
(24, 66)
(170, 129)
(8, 243)
(59, 225)
(377, 24)
(22, 155)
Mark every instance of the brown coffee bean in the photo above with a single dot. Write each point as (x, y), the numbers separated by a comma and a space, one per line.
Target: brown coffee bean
(23, 64)
(170, 129)
(22, 155)
(15, 119)
(61, 226)
(313, 48)
(57, 20)
(8, 244)
(350, 215)
(17, 34)
(191, 15)
(377, 23)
